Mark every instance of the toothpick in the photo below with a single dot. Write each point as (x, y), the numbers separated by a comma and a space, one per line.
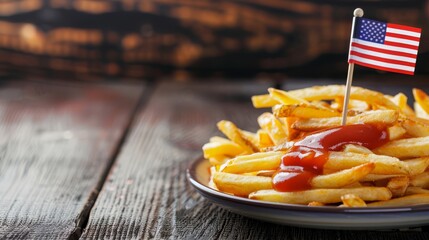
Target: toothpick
(358, 12)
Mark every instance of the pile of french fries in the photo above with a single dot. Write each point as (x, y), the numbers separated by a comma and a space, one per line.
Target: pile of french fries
(395, 174)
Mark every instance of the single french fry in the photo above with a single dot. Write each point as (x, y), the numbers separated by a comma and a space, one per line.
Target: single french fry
(405, 148)
(234, 134)
(264, 139)
(400, 100)
(342, 178)
(303, 110)
(396, 132)
(287, 123)
(330, 92)
(383, 164)
(322, 195)
(353, 148)
(351, 200)
(384, 117)
(415, 190)
(240, 185)
(398, 185)
(416, 127)
(260, 161)
(422, 99)
(415, 199)
(377, 177)
(229, 148)
(274, 127)
(417, 166)
(263, 101)
(421, 180)
(284, 97)
(420, 112)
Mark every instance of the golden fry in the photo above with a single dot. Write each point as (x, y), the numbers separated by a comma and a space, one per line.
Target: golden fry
(284, 97)
(240, 185)
(420, 112)
(400, 100)
(322, 195)
(396, 132)
(213, 149)
(342, 178)
(403, 201)
(260, 161)
(422, 99)
(383, 164)
(264, 139)
(303, 110)
(274, 127)
(416, 127)
(405, 148)
(415, 190)
(398, 185)
(331, 92)
(417, 166)
(263, 101)
(421, 180)
(234, 134)
(381, 117)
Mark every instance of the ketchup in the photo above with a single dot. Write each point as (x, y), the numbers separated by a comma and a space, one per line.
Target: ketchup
(307, 156)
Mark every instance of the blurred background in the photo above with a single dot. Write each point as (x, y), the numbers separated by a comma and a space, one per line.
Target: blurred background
(191, 39)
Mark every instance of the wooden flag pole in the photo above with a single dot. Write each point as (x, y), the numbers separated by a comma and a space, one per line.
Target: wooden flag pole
(358, 12)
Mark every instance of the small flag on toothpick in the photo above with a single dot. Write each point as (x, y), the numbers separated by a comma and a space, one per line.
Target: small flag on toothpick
(384, 46)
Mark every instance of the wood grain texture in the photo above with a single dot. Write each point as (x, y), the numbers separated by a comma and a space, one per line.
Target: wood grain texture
(147, 196)
(187, 38)
(57, 141)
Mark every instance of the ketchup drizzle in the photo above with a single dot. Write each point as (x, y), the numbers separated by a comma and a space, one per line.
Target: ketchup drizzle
(306, 158)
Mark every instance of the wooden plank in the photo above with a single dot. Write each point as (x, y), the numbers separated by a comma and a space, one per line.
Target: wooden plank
(57, 141)
(147, 195)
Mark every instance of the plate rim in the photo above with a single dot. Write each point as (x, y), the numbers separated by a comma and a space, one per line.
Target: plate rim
(191, 176)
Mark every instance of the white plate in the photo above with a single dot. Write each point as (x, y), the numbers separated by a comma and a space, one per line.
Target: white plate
(304, 216)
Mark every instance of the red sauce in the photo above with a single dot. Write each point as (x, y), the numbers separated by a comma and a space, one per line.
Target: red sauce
(307, 156)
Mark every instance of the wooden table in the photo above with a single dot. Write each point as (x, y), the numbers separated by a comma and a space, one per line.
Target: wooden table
(109, 160)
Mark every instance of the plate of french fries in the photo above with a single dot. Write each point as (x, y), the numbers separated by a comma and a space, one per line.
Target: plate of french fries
(303, 167)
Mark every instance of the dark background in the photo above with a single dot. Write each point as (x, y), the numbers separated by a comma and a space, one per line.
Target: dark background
(191, 39)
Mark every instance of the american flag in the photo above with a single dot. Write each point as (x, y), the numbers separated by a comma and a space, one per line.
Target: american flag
(384, 46)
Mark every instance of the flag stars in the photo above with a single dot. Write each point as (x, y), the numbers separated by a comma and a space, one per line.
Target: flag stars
(372, 31)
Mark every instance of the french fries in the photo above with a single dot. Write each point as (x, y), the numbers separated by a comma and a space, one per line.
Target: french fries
(262, 165)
